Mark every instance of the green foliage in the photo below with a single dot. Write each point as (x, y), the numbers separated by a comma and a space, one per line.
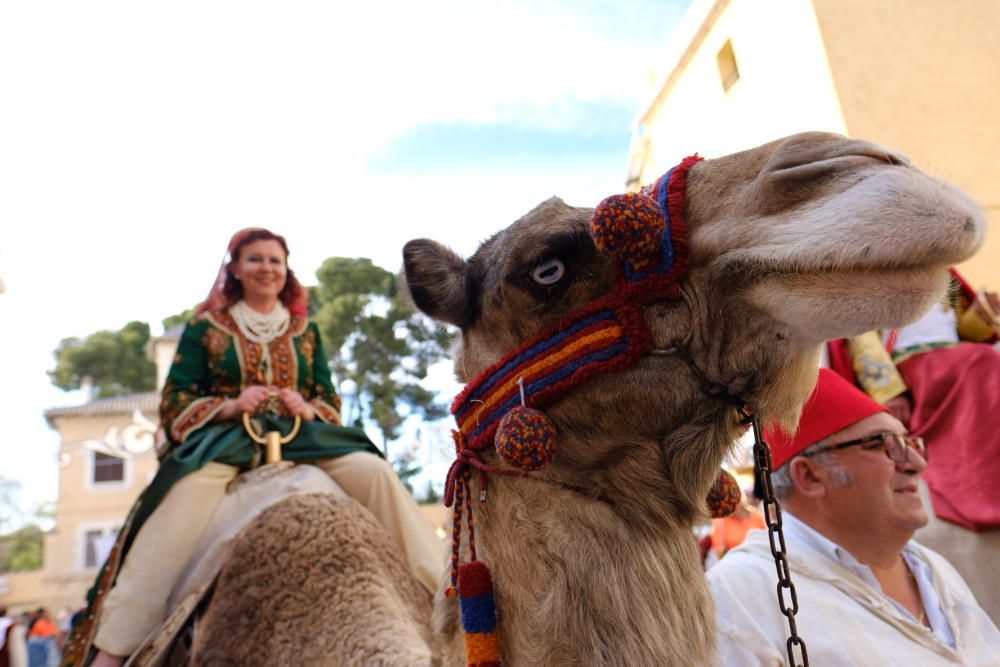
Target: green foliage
(379, 347)
(180, 318)
(115, 361)
(341, 276)
(22, 549)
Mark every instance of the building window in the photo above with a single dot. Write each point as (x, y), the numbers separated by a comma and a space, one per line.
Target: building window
(97, 543)
(108, 468)
(728, 71)
(90, 539)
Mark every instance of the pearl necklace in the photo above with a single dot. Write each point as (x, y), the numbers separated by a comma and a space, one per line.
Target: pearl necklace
(261, 328)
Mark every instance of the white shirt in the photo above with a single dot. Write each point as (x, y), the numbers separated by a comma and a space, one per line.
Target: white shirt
(844, 617)
(797, 530)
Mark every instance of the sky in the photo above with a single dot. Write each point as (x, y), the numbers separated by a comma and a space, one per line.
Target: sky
(136, 137)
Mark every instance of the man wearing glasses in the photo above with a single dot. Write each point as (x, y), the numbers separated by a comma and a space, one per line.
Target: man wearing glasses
(867, 594)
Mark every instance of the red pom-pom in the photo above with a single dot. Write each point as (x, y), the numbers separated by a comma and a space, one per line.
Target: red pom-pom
(526, 439)
(724, 496)
(628, 228)
(474, 579)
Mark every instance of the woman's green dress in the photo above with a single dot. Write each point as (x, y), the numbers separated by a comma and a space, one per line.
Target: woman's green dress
(215, 362)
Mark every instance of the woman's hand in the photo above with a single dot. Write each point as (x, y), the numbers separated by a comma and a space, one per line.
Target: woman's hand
(253, 398)
(296, 404)
(250, 400)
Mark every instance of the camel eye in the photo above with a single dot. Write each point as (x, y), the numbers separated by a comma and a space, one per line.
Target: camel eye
(549, 272)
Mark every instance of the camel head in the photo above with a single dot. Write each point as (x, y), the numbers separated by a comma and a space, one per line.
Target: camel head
(801, 240)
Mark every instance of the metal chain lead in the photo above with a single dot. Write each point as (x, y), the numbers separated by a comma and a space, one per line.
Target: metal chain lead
(762, 463)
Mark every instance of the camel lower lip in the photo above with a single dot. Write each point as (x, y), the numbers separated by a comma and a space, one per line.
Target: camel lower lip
(866, 272)
(830, 163)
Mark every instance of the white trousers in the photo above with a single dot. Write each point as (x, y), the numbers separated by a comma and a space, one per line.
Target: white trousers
(170, 536)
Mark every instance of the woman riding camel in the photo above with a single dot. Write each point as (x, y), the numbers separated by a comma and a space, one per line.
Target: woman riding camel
(249, 349)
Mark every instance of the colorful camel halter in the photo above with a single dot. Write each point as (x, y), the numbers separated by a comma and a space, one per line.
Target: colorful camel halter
(645, 236)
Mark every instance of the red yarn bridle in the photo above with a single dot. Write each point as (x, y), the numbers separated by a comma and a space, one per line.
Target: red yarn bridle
(645, 235)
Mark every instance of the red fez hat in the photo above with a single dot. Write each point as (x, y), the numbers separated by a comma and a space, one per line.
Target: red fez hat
(834, 405)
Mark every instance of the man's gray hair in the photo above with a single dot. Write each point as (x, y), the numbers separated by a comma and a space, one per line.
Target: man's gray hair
(781, 479)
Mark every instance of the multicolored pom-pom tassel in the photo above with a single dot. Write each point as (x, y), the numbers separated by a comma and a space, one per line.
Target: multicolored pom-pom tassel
(628, 228)
(479, 617)
(724, 496)
(526, 439)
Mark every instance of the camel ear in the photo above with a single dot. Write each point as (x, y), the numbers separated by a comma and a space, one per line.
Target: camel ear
(438, 282)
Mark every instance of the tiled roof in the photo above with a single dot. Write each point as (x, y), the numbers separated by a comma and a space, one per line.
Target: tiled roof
(116, 405)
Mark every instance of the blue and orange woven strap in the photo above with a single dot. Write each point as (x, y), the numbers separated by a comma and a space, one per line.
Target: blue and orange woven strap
(602, 339)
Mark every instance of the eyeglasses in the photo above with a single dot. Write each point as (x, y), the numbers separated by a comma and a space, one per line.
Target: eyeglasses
(897, 447)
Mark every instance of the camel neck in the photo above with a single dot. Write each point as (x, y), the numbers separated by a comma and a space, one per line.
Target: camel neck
(549, 552)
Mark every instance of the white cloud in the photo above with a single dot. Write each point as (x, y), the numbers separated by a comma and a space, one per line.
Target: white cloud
(136, 137)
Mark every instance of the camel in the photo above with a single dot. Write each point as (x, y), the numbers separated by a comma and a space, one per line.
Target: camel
(593, 561)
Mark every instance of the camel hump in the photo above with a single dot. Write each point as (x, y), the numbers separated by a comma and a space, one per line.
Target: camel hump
(249, 495)
(315, 578)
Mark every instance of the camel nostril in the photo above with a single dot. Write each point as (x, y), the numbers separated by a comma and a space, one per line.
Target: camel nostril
(896, 160)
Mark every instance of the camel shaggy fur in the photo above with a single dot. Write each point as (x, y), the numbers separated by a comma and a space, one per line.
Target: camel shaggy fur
(296, 569)
(808, 238)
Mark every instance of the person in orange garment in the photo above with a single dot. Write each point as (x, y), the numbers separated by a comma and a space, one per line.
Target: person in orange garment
(729, 532)
(44, 640)
(43, 625)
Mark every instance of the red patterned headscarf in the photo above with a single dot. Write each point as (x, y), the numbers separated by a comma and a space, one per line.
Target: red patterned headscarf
(226, 290)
